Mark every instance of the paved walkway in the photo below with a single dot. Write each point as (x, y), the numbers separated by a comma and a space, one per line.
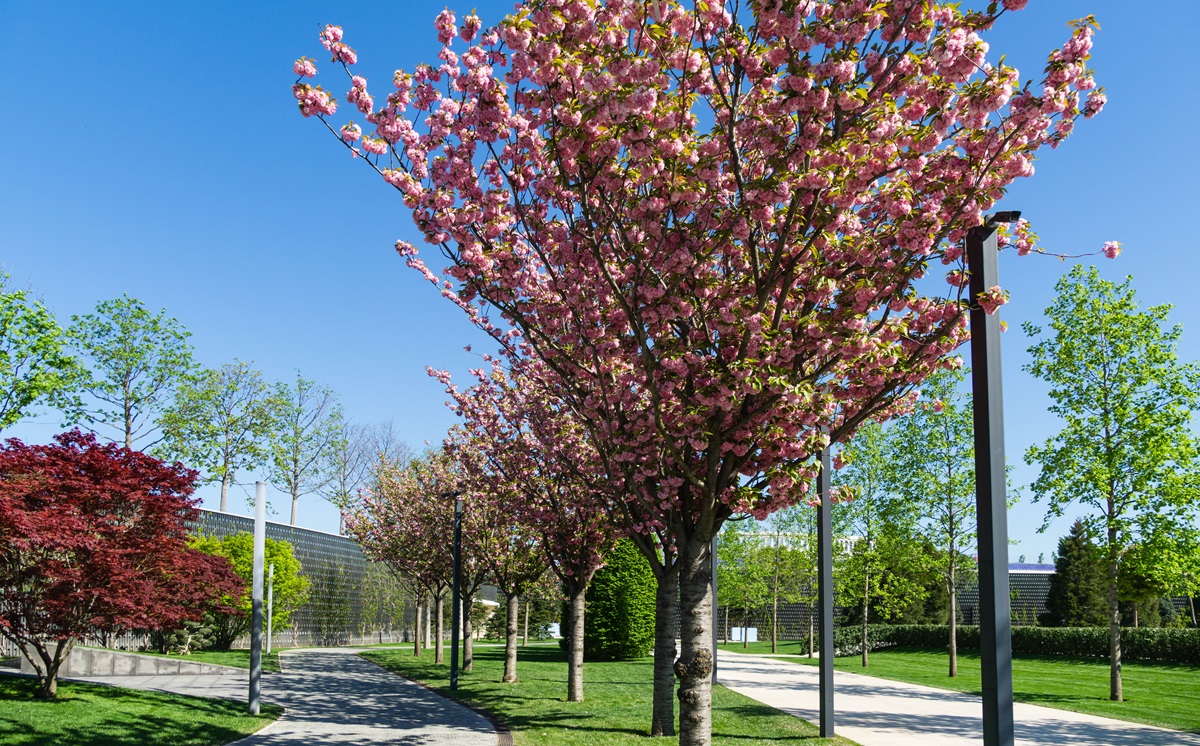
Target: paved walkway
(333, 696)
(878, 712)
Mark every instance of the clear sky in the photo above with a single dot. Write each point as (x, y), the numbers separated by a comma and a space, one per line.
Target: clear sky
(155, 149)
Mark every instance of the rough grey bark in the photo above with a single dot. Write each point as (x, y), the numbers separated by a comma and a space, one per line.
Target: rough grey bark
(666, 604)
(439, 655)
(575, 645)
(953, 622)
(510, 641)
(1115, 693)
(525, 639)
(417, 629)
(866, 611)
(468, 631)
(695, 664)
(225, 492)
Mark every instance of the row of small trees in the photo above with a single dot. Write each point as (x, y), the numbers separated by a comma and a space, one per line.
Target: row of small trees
(125, 371)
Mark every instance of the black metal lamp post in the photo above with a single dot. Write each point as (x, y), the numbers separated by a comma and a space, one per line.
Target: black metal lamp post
(456, 590)
(715, 609)
(991, 500)
(825, 592)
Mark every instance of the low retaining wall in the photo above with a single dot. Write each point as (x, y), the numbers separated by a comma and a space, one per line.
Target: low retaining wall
(98, 662)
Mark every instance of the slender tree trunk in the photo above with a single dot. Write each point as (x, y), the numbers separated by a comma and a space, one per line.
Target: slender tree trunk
(695, 665)
(726, 630)
(1135, 615)
(295, 502)
(953, 624)
(1192, 603)
(468, 630)
(341, 522)
(51, 663)
(745, 627)
(666, 604)
(811, 632)
(1115, 692)
(525, 638)
(774, 616)
(510, 640)
(439, 655)
(225, 492)
(428, 625)
(417, 629)
(866, 611)
(578, 609)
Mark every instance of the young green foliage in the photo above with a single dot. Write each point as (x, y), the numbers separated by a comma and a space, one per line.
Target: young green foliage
(134, 362)
(35, 367)
(1126, 451)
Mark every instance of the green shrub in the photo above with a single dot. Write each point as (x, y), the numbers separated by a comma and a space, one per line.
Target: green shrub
(1163, 644)
(619, 619)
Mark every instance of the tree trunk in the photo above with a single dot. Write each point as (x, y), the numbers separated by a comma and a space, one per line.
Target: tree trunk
(953, 626)
(774, 602)
(866, 612)
(525, 638)
(1115, 692)
(1192, 603)
(295, 502)
(51, 662)
(510, 641)
(467, 631)
(428, 625)
(225, 492)
(439, 655)
(575, 644)
(695, 665)
(341, 523)
(726, 630)
(417, 630)
(745, 627)
(666, 602)
(811, 632)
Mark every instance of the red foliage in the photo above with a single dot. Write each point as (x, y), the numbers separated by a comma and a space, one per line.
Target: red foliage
(93, 538)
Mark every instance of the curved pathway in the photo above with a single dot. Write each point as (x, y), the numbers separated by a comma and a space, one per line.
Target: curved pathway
(333, 696)
(881, 712)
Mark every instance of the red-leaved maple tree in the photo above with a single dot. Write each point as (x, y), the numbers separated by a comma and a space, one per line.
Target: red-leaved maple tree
(93, 539)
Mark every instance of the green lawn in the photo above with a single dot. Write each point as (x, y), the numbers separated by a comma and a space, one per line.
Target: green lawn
(94, 715)
(617, 708)
(1163, 694)
(235, 658)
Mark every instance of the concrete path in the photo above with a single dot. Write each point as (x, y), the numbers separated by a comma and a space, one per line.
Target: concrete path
(878, 712)
(333, 696)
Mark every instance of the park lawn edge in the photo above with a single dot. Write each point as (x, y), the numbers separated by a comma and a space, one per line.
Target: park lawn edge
(270, 663)
(112, 700)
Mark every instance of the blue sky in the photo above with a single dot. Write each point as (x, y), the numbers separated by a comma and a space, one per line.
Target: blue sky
(155, 149)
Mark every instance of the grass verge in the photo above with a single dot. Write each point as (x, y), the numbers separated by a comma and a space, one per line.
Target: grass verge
(95, 715)
(616, 710)
(235, 658)
(1162, 694)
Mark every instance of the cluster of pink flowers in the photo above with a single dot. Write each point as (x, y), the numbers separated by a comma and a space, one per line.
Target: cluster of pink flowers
(707, 237)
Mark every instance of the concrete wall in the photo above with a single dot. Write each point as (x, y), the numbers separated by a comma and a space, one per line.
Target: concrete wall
(98, 662)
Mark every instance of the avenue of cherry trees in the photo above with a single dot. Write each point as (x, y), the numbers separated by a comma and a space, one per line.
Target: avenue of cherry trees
(708, 240)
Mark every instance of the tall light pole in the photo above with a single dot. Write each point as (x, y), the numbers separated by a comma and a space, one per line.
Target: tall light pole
(825, 592)
(456, 588)
(256, 596)
(713, 569)
(991, 499)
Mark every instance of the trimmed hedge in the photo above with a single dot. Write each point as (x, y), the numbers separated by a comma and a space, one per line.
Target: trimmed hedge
(1170, 645)
(619, 619)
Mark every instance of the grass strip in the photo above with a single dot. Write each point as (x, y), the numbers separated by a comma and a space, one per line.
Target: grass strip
(1162, 694)
(617, 707)
(95, 715)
